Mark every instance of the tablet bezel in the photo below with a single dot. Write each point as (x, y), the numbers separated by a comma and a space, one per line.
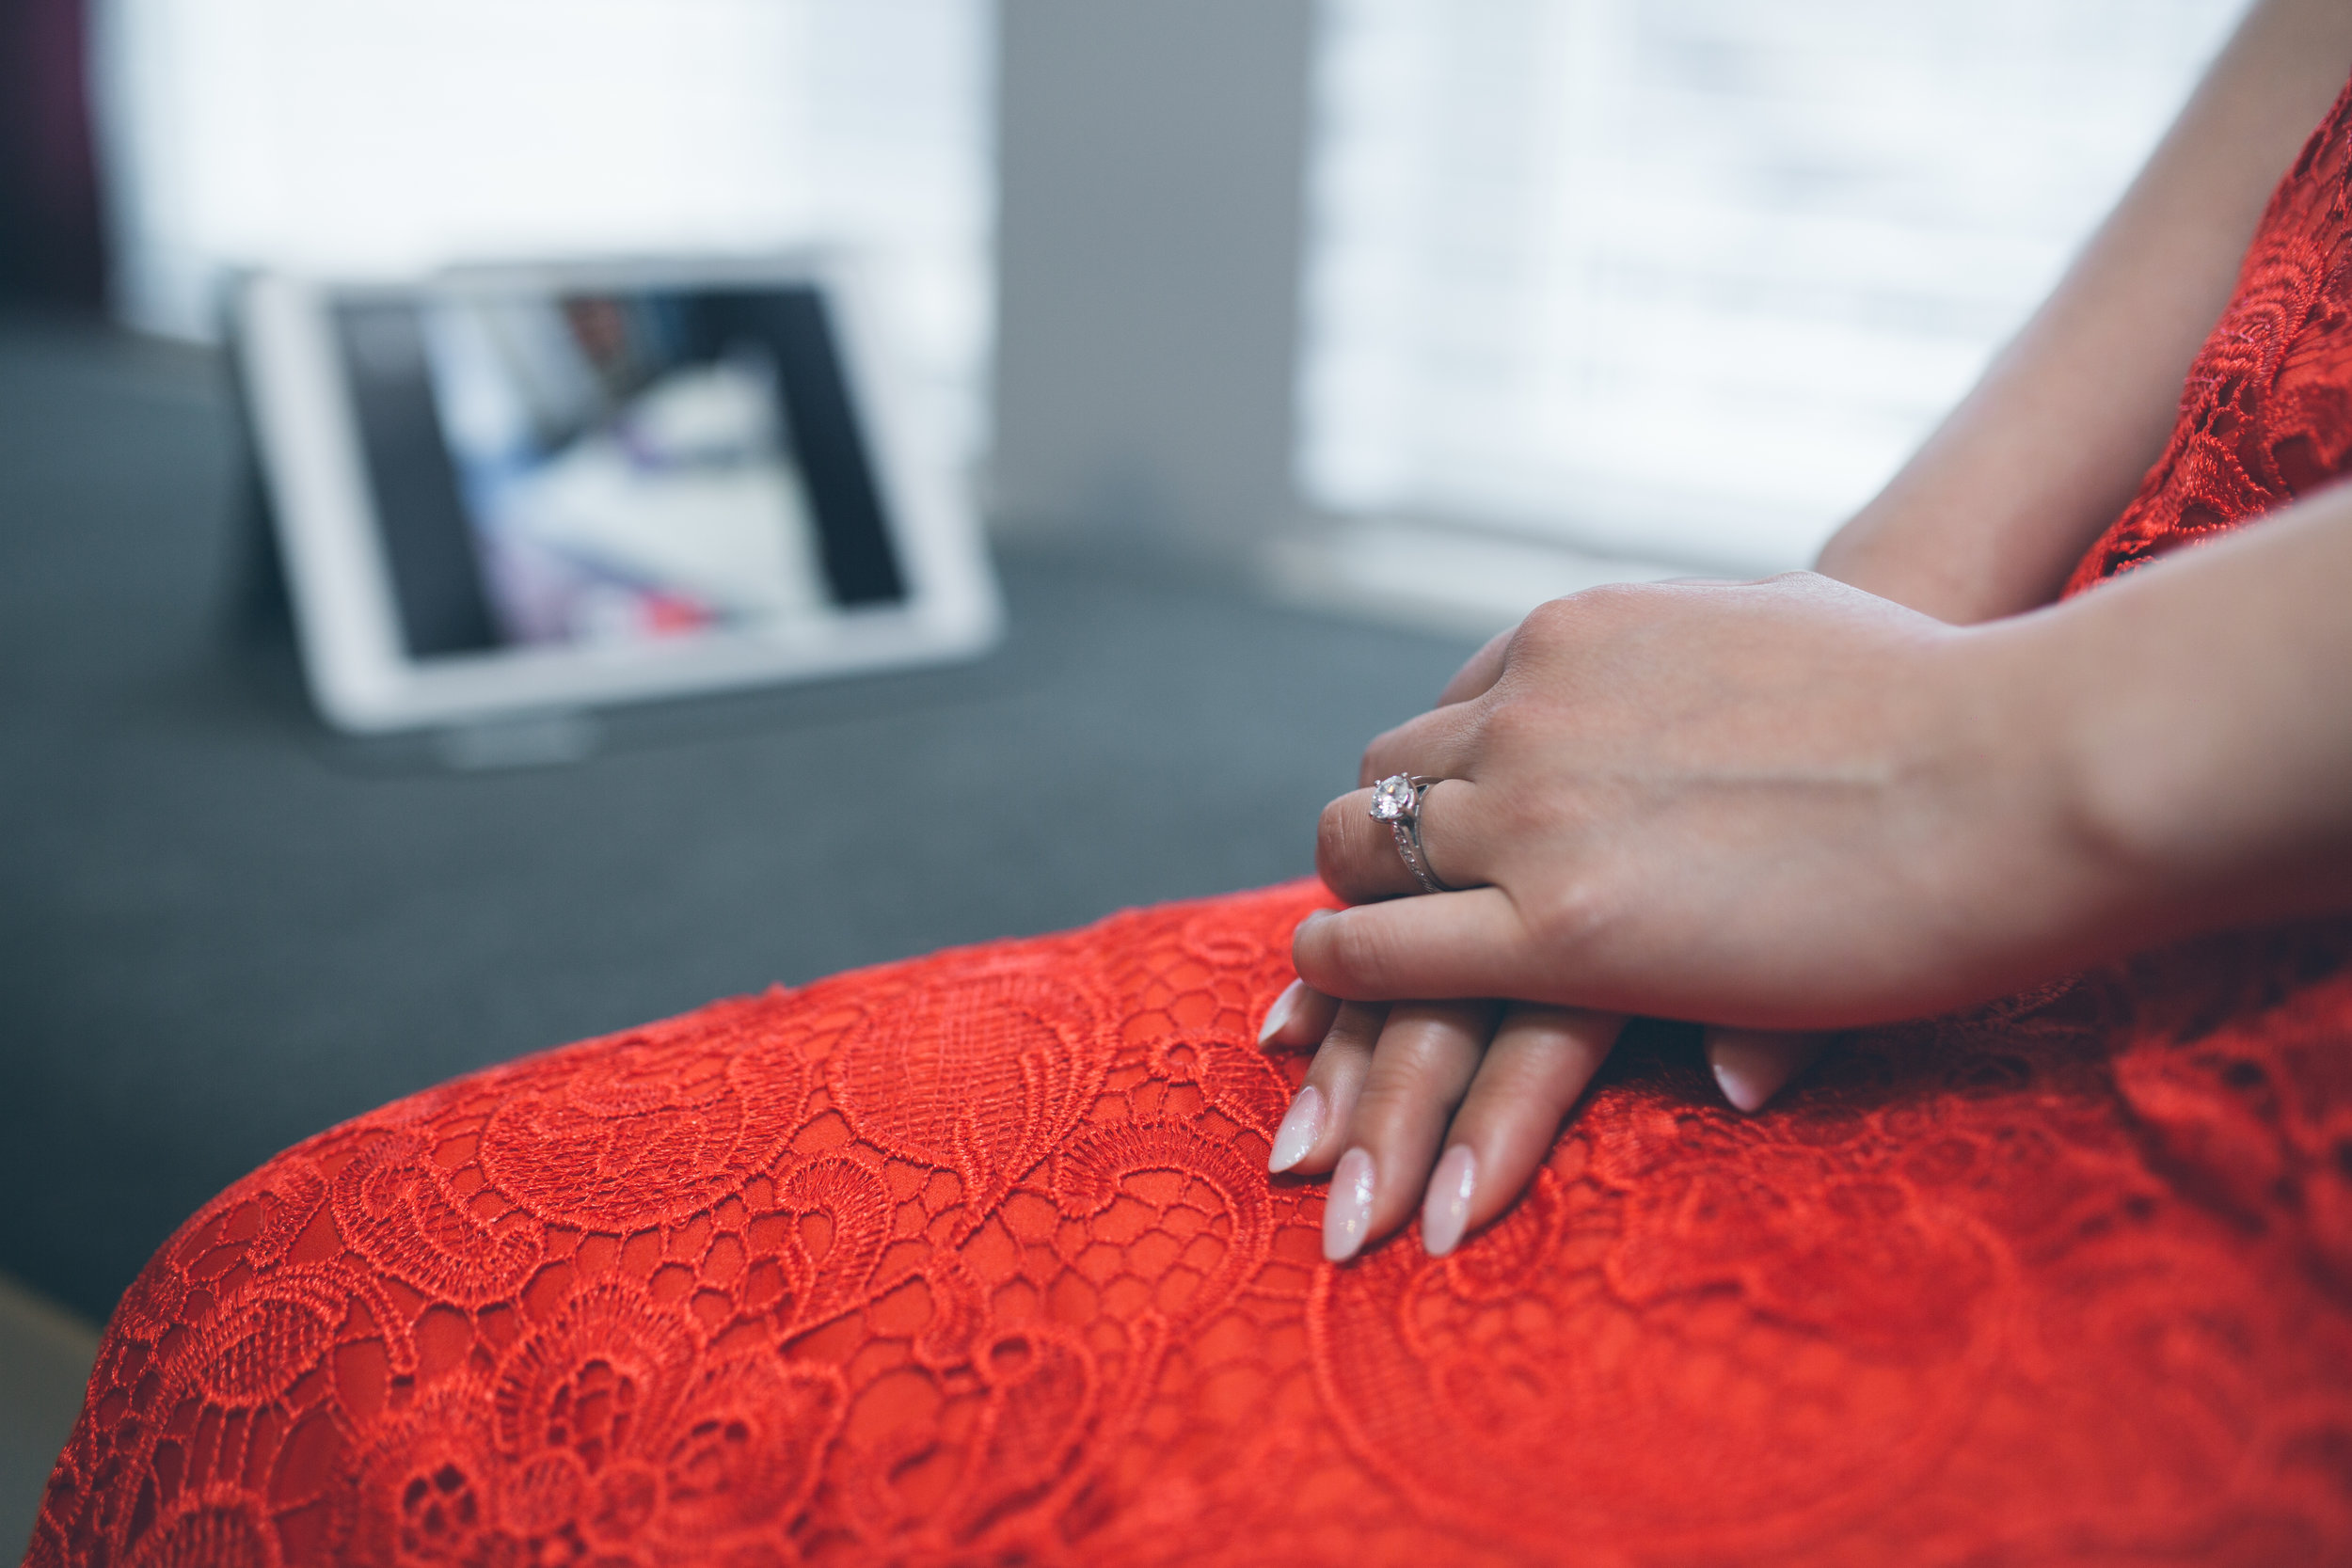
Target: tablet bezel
(358, 669)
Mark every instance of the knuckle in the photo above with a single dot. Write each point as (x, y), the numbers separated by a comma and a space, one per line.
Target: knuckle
(1515, 720)
(1547, 624)
(1350, 1038)
(1569, 918)
(1509, 1088)
(1505, 719)
(1358, 950)
(1587, 616)
(1618, 595)
(1389, 1109)
(1567, 616)
(1610, 601)
(1336, 957)
(1334, 836)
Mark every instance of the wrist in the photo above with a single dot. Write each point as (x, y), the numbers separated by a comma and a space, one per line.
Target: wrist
(2046, 867)
(2209, 738)
(2159, 816)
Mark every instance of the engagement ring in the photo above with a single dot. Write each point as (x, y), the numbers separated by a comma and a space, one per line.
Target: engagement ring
(1396, 800)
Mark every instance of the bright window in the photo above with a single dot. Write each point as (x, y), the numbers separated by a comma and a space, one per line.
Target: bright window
(393, 135)
(1684, 280)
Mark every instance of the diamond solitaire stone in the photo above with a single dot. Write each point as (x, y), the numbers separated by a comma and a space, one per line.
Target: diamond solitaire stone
(1393, 798)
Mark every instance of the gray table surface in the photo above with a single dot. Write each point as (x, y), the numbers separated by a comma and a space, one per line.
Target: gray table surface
(222, 929)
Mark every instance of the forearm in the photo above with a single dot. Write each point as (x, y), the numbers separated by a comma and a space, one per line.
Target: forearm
(2001, 500)
(2202, 728)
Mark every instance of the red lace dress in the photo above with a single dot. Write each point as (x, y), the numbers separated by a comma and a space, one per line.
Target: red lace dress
(975, 1260)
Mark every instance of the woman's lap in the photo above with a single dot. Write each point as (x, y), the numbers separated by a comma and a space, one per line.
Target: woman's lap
(975, 1259)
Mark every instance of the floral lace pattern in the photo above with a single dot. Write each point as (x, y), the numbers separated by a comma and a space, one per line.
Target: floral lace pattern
(974, 1260)
(2267, 410)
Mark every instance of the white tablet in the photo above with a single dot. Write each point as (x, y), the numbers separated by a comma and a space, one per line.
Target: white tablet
(536, 489)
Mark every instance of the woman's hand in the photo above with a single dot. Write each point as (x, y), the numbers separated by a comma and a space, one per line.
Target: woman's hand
(1493, 1079)
(1781, 805)
(1705, 763)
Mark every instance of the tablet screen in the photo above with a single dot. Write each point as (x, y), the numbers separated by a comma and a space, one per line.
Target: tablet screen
(601, 467)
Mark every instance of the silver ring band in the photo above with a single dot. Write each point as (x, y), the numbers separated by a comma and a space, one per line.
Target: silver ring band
(1396, 800)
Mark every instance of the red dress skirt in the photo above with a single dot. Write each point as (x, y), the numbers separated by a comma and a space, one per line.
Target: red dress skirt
(975, 1260)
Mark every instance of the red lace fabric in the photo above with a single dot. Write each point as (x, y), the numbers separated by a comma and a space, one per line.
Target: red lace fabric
(974, 1260)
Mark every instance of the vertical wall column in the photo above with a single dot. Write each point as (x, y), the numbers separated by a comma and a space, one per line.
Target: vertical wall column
(1151, 165)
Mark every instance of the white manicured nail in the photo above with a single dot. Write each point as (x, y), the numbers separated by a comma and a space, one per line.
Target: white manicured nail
(1301, 1126)
(1445, 1213)
(1280, 1013)
(1739, 1087)
(1347, 1213)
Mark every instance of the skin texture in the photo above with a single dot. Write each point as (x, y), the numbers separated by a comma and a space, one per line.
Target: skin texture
(1901, 784)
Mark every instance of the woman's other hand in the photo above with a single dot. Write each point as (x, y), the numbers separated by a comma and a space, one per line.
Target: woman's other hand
(1449, 1107)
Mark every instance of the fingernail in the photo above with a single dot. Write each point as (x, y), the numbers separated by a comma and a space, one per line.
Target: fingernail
(1746, 1095)
(1445, 1213)
(1302, 1124)
(1312, 916)
(1347, 1213)
(1281, 1012)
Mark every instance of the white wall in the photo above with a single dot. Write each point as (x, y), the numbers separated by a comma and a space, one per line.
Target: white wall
(1151, 161)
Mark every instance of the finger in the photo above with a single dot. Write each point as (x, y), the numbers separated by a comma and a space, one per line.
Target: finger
(1446, 945)
(1357, 854)
(1299, 1016)
(1753, 1064)
(1540, 1060)
(1479, 673)
(1423, 1062)
(1438, 744)
(1309, 1139)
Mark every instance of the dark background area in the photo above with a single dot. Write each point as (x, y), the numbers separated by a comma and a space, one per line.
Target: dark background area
(50, 247)
(222, 929)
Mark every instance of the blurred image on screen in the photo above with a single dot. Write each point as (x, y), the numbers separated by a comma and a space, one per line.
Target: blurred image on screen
(627, 465)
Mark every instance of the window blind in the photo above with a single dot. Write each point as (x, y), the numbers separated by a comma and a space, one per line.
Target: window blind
(1684, 280)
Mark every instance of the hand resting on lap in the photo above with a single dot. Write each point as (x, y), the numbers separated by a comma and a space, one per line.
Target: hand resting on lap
(1783, 804)
(1698, 801)
(1792, 805)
